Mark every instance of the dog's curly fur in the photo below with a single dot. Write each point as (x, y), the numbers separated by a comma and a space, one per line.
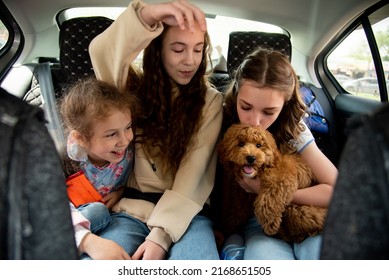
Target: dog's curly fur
(252, 152)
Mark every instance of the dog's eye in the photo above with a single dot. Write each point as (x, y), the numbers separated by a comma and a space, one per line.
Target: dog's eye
(259, 145)
(241, 144)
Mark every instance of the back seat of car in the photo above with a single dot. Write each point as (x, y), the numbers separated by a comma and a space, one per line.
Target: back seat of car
(74, 63)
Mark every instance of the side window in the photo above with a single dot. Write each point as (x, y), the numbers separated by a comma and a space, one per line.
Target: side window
(11, 41)
(4, 35)
(352, 63)
(381, 33)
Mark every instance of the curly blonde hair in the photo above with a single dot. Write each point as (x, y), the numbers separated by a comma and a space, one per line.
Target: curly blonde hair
(90, 99)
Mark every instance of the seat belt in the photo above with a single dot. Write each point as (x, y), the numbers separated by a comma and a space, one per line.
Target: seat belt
(49, 105)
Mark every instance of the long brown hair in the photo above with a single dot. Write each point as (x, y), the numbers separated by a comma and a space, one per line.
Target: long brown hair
(167, 126)
(270, 69)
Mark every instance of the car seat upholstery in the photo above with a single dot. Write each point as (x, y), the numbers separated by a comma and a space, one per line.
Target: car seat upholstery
(242, 43)
(74, 39)
(75, 36)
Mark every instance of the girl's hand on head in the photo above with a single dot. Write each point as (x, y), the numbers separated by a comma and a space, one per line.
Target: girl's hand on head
(180, 13)
(250, 185)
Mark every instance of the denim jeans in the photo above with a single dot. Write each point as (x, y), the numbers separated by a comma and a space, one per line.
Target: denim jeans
(260, 246)
(198, 242)
(97, 214)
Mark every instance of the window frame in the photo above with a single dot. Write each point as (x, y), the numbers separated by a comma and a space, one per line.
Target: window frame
(13, 47)
(321, 64)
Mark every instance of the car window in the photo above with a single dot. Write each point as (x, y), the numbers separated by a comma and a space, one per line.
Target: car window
(219, 28)
(11, 41)
(381, 33)
(352, 64)
(4, 35)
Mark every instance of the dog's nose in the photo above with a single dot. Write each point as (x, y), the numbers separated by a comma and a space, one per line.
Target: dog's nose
(250, 159)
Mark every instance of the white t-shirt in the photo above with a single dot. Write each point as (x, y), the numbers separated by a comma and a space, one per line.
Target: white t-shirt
(304, 139)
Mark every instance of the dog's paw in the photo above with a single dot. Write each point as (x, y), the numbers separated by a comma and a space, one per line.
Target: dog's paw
(268, 215)
(270, 223)
(272, 228)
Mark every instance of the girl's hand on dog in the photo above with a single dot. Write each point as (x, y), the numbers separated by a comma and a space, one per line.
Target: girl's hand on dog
(250, 185)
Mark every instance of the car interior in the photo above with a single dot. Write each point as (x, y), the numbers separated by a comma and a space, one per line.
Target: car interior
(38, 73)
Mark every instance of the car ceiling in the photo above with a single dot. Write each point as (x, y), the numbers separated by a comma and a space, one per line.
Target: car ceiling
(320, 19)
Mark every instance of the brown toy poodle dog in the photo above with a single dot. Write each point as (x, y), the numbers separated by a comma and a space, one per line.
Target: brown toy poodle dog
(252, 152)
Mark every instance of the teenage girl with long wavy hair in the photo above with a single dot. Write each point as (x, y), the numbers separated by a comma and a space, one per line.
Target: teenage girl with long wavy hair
(164, 212)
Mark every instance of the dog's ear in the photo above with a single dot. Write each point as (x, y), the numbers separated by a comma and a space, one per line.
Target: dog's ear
(269, 138)
(272, 153)
(229, 142)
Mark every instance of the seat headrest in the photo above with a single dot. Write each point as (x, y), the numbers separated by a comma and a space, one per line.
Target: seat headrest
(74, 39)
(242, 43)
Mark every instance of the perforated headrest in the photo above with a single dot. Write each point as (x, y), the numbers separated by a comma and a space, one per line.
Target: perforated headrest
(74, 39)
(242, 43)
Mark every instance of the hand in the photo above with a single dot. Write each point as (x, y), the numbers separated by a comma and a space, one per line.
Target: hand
(99, 248)
(149, 250)
(179, 13)
(250, 185)
(112, 198)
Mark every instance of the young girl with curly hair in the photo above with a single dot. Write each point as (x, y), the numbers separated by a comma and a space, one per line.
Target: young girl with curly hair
(99, 120)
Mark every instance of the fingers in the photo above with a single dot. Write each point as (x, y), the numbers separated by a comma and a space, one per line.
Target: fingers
(149, 250)
(188, 14)
(109, 203)
(179, 13)
(125, 256)
(138, 255)
(249, 185)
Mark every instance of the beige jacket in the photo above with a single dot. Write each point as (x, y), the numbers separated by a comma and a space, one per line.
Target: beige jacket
(184, 194)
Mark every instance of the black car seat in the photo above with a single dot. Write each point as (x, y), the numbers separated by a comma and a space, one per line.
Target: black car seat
(241, 43)
(357, 222)
(35, 220)
(74, 62)
(74, 39)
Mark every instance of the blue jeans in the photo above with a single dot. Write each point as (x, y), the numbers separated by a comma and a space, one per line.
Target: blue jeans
(260, 246)
(97, 214)
(198, 242)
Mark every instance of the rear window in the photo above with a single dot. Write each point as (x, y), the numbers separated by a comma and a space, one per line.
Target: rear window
(219, 27)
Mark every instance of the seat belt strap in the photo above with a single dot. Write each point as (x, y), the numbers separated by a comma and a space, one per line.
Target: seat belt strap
(49, 105)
